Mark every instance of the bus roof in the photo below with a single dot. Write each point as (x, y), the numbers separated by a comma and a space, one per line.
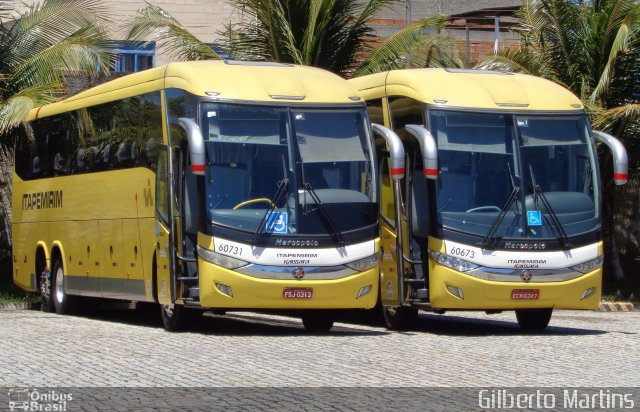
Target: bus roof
(460, 88)
(222, 80)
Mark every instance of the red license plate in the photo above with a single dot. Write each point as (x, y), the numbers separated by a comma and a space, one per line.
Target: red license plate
(525, 294)
(297, 293)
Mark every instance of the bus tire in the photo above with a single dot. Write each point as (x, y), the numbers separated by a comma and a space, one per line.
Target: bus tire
(533, 320)
(399, 318)
(46, 291)
(176, 318)
(62, 302)
(317, 322)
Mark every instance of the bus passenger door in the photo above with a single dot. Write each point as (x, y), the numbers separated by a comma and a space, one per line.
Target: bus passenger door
(163, 236)
(388, 274)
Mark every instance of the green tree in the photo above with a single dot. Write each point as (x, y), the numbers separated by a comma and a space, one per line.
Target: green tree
(39, 45)
(332, 34)
(592, 48)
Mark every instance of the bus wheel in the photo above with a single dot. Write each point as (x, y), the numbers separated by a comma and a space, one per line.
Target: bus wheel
(399, 318)
(318, 322)
(176, 317)
(61, 301)
(534, 320)
(46, 295)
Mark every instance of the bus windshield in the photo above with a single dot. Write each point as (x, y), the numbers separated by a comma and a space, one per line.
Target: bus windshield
(287, 171)
(515, 176)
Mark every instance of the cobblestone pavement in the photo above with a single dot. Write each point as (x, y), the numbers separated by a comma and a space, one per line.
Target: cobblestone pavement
(130, 349)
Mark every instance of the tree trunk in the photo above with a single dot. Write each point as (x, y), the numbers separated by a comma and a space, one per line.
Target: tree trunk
(6, 173)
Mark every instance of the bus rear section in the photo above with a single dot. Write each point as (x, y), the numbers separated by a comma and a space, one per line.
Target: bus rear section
(501, 201)
(204, 185)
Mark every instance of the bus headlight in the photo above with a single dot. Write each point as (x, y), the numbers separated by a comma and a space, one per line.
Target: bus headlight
(452, 262)
(589, 266)
(366, 263)
(220, 260)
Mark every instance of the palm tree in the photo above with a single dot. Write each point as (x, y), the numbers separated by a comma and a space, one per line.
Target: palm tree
(592, 48)
(331, 34)
(38, 47)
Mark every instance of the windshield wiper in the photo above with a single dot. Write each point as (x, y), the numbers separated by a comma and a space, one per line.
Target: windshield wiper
(559, 232)
(490, 239)
(324, 215)
(282, 188)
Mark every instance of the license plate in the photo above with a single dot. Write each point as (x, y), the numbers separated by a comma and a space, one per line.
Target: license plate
(525, 294)
(297, 293)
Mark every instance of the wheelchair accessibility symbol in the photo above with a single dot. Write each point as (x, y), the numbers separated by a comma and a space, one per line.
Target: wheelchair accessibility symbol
(534, 218)
(277, 223)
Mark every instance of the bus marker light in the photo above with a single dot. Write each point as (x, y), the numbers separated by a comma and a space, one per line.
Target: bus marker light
(297, 293)
(225, 289)
(525, 294)
(457, 292)
(587, 292)
(363, 291)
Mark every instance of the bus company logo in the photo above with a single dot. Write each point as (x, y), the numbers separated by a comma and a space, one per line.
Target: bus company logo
(42, 200)
(526, 275)
(525, 246)
(298, 273)
(526, 264)
(297, 242)
(25, 399)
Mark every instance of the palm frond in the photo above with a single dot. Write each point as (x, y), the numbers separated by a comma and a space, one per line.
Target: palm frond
(628, 29)
(391, 54)
(14, 110)
(617, 118)
(154, 24)
(82, 51)
(521, 60)
(41, 27)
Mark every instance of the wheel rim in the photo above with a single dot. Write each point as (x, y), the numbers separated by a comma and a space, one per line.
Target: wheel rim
(44, 285)
(59, 284)
(391, 311)
(168, 310)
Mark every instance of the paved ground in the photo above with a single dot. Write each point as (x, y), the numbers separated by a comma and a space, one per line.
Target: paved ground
(128, 349)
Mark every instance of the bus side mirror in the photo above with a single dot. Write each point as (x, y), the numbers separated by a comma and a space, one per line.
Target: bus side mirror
(620, 159)
(396, 149)
(196, 145)
(429, 150)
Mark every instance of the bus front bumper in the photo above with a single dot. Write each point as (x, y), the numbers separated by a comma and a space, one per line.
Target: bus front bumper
(450, 289)
(227, 289)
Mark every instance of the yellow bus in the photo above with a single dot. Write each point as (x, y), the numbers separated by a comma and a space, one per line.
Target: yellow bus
(500, 205)
(201, 185)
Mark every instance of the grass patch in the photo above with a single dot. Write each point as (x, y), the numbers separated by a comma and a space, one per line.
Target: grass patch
(632, 298)
(17, 297)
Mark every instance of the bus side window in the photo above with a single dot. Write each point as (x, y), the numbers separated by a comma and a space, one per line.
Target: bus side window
(162, 190)
(374, 107)
(387, 209)
(404, 111)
